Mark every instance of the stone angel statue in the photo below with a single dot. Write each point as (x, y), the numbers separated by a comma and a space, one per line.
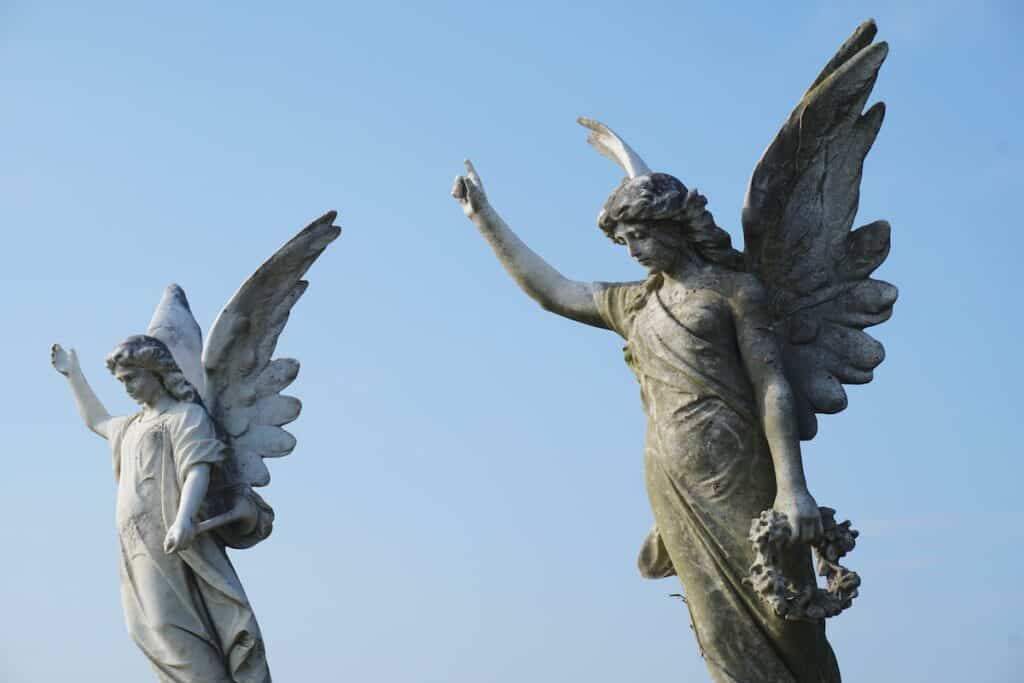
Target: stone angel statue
(736, 353)
(188, 462)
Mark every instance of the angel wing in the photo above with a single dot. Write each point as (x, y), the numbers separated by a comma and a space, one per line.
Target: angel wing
(243, 382)
(799, 208)
(174, 325)
(611, 146)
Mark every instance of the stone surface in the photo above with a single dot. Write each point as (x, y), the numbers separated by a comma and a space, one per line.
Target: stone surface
(735, 353)
(187, 463)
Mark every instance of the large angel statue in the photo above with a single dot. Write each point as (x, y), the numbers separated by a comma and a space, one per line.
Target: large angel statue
(735, 354)
(187, 463)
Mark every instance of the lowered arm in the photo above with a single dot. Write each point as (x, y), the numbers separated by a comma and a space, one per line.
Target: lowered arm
(777, 409)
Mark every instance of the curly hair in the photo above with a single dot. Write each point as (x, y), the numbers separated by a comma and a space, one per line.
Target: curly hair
(149, 353)
(665, 201)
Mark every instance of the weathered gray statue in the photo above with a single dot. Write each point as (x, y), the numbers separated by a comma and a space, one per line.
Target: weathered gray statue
(735, 354)
(210, 415)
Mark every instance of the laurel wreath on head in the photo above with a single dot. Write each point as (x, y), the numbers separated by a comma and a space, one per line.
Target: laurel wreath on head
(769, 533)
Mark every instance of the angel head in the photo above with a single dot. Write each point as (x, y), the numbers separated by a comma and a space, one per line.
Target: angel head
(654, 215)
(659, 220)
(148, 370)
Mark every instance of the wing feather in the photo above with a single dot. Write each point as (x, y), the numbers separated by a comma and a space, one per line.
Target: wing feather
(278, 410)
(866, 248)
(278, 375)
(266, 440)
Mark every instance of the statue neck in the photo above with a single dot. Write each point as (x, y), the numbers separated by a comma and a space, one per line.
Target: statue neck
(158, 407)
(687, 265)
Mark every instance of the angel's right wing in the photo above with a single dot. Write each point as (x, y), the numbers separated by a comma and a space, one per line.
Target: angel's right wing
(800, 206)
(243, 383)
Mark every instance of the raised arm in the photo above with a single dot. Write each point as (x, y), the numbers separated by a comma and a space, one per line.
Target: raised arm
(545, 285)
(92, 411)
(760, 353)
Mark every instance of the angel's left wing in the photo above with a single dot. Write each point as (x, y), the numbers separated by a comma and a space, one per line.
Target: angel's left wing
(173, 324)
(800, 206)
(243, 382)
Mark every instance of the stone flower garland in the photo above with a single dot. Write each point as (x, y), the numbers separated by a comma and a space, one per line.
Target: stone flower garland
(768, 534)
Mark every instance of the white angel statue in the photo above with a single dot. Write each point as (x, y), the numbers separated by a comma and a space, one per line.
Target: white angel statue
(187, 463)
(735, 354)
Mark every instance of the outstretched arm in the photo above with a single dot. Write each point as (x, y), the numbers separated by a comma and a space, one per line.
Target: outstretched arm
(92, 411)
(760, 353)
(545, 285)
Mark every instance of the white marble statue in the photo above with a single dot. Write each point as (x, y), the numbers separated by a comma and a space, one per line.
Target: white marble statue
(187, 463)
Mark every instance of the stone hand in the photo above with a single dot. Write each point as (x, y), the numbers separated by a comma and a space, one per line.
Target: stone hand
(469, 192)
(64, 361)
(180, 535)
(802, 513)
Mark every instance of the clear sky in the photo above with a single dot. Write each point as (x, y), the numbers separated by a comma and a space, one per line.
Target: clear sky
(466, 500)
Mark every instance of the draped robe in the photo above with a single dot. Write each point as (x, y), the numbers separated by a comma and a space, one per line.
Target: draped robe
(709, 473)
(187, 610)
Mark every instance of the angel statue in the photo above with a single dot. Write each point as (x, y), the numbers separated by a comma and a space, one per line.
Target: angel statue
(736, 352)
(210, 415)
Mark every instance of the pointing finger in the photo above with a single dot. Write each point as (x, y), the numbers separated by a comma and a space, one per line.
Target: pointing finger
(471, 172)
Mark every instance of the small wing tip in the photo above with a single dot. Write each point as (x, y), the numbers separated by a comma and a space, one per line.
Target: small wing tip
(876, 52)
(293, 367)
(326, 225)
(594, 126)
(866, 31)
(830, 405)
(890, 292)
(174, 292)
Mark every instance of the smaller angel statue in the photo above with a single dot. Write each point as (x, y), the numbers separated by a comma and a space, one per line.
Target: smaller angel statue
(210, 414)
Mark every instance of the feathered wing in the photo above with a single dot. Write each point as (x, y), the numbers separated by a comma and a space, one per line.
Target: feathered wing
(800, 206)
(243, 382)
(611, 146)
(173, 324)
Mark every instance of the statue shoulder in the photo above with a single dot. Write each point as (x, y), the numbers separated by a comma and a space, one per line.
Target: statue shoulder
(744, 292)
(738, 290)
(188, 414)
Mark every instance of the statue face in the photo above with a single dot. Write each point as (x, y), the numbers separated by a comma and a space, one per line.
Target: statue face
(652, 254)
(143, 386)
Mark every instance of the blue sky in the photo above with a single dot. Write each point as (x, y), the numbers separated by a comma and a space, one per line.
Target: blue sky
(466, 500)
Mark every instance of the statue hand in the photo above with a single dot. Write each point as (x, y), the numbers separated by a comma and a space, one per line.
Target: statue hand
(469, 192)
(180, 535)
(802, 513)
(63, 360)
